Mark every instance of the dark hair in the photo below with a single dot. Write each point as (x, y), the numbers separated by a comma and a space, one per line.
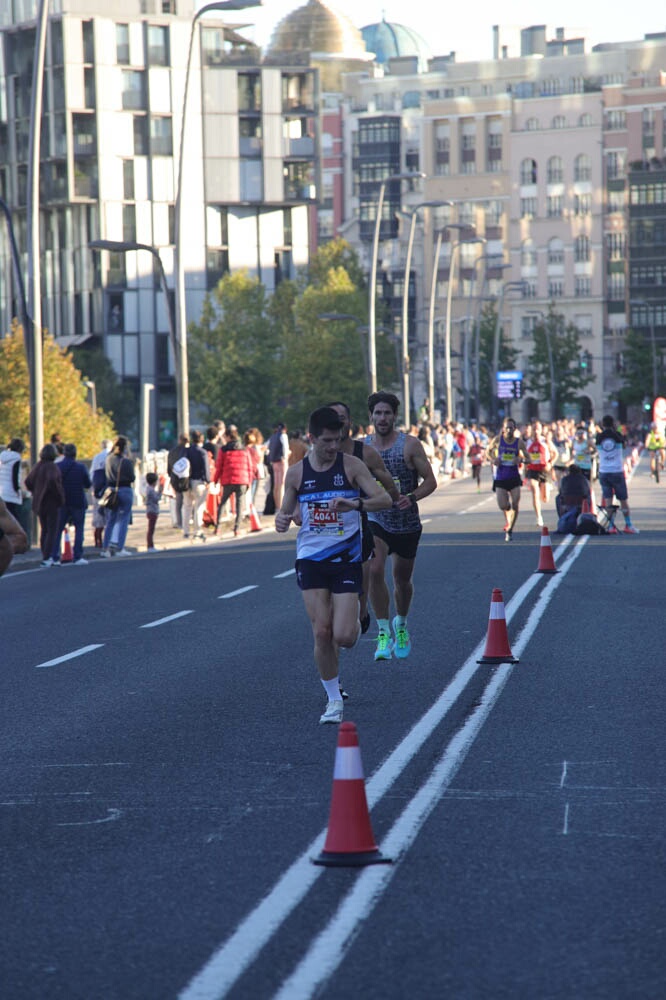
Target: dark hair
(48, 453)
(607, 421)
(151, 478)
(231, 433)
(70, 451)
(119, 445)
(338, 402)
(197, 437)
(324, 419)
(383, 397)
(211, 433)
(17, 444)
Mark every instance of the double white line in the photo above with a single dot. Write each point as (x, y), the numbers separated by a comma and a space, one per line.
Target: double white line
(327, 950)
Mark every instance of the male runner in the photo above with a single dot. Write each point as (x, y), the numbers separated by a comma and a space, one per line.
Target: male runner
(541, 454)
(506, 452)
(374, 462)
(327, 484)
(656, 445)
(396, 531)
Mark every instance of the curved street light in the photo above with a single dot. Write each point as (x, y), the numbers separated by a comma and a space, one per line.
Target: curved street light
(181, 306)
(372, 352)
(449, 296)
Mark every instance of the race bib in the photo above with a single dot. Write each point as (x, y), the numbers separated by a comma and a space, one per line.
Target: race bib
(324, 520)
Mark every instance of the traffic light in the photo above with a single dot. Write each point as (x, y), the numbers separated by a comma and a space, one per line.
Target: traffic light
(582, 360)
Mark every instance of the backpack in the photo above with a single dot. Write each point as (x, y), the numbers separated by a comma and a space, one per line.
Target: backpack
(181, 475)
(587, 524)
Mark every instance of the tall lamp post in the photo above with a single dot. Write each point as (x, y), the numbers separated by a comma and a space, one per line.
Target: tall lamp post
(649, 308)
(551, 364)
(181, 305)
(405, 301)
(477, 329)
(125, 246)
(147, 388)
(449, 298)
(372, 351)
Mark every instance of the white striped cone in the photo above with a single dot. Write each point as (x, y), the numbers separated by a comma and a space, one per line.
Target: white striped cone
(349, 840)
(497, 648)
(546, 561)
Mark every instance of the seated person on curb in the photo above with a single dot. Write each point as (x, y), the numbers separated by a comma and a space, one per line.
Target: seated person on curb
(13, 538)
(574, 489)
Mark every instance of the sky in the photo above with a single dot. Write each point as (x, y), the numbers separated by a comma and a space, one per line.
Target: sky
(471, 37)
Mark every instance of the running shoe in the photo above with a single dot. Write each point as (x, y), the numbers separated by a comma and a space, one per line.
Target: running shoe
(105, 554)
(343, 693)
(508, 535)
(539, 521)
(333, 712)
(365, 623)
(402, 646)
(46, 563)
(630, 530)
(384, 646)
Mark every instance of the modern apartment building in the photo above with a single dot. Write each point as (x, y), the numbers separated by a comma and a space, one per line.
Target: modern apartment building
(111, 135)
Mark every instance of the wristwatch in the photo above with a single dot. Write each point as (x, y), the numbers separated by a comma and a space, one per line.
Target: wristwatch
(360, 507)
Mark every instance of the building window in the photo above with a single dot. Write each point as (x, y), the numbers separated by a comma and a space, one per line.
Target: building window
(528, 254)
(559, 121)
(585, 121)
(161, 138)
(614, 166)
(582, 204)
(616, 286)
(299, 182)
(616, 119)
(581, 249)
(88, 42)
(128, 180)
(89, 87)
(249, 92)
(529, 289)
(554, 205)
(556, 252)
(129, 223)
(532, 124)
(140, 126)
(555, 288)
(122, 45)
(616, 244)
(528, 208)
(134, 90)
(582, 168)
(158, 45)
(616, 201)
(528, 172)
(251, 180)
(583, 287)
(555, 170)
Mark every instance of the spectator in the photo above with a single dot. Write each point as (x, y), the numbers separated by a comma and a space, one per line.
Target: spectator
(48, 496)
(98, 477)
(119, 471)
(152, 499)
(194, 498)
(234, 472)
(278, 459)
(176, 505)
(610, 445)
(10, 476)
(298, 448)
(76, 482)
(253, 440)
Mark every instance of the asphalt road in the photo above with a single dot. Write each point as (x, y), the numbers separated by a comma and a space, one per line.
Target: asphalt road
(164, 789)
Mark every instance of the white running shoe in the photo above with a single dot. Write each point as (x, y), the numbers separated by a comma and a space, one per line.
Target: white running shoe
(539, 521)
(333, 712)
(105, 554)
(46, 562)
(80, 562)
(124, 552)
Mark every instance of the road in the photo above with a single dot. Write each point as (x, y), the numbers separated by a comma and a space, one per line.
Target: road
(165, 782)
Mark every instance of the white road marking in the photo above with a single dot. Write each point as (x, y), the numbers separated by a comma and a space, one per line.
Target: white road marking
(281, 576)
(69, 656)
(112, 814)
(169, 618)
(564, 774)
(238, 952)
(235, 593)
(565, 827)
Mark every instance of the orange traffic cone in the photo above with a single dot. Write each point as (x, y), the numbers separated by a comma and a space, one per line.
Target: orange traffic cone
(349, 841)
(66, 548)
(255, 523)
(497, 648)
(546, 561)
(585, 507)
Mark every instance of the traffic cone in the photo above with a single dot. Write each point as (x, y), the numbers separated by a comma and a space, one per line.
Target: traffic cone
(497, 648)
(349, 840)
(585, 507)
(66, 548)
(546, 561)
(255, 523)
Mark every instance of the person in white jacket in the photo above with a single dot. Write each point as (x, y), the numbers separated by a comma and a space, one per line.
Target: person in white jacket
(10, 476)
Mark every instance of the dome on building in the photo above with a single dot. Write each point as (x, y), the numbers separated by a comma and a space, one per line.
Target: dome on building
(318, 28)
(388, 41)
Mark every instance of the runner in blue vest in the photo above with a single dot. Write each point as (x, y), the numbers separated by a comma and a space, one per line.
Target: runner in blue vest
(506, 452)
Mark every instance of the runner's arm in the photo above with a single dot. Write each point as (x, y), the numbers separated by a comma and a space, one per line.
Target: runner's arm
(415, 452)
(291, 483)
(375, 463)
(376, 497)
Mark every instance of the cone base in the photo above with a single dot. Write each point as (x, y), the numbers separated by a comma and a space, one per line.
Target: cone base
(547, 571)
(351, 859)
(495, 660)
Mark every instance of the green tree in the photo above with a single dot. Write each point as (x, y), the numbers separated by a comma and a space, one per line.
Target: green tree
(569, 377)
(638, 370)
(233, 353)
(66, 409)
(116, 399)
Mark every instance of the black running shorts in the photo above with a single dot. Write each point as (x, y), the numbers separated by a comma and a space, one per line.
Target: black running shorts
(404, 544)
(336, 577)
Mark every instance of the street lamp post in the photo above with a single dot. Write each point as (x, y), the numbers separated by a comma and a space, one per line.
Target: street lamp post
(431, 329)
(455, 244)
(477, 330)
(145, 418)
(181, 305)
(405, 302)
(125, 246)
(92, 388)
(372, 351)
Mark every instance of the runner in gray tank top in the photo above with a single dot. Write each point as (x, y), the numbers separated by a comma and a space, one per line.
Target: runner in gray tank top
(396, 531)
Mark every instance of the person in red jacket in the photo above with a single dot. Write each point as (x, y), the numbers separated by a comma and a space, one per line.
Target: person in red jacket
(234, 471)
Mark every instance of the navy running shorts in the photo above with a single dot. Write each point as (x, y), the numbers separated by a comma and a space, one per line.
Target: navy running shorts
(403, 544)
(336, 577)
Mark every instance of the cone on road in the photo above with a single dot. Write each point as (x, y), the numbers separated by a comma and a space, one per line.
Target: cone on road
(546, 561)
(497, 648)
(255, 523)
(349, 840)
(585, 507)
(66, 548)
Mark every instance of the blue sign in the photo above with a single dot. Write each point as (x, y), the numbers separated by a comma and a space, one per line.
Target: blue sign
(509, 385)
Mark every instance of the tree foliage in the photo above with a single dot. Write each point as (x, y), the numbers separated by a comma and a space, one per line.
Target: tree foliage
(256, 359)
(569, 377)
(637, 373)
(116, 399)
(508, 355)
(66, 409)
